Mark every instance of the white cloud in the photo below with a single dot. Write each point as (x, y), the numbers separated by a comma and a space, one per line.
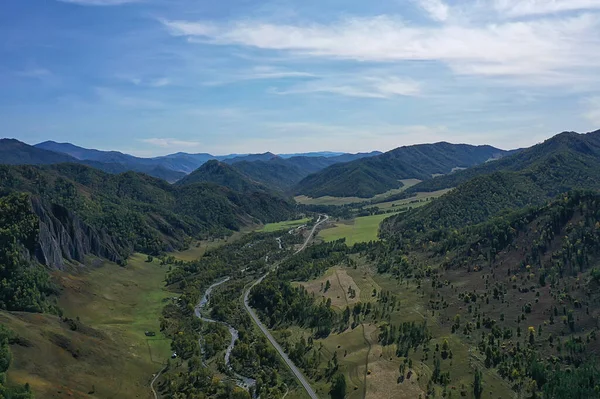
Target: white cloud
(257, 73)
(517, 49)
(171, 143)
(593, 111)
(521, 8)
(99, 2)
(436, 9)
(366, 87)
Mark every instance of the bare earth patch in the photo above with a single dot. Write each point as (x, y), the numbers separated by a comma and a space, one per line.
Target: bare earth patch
(383, 377)
(340, 282)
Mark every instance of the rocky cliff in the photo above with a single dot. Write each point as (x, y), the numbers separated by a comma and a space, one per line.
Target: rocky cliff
(64, 237)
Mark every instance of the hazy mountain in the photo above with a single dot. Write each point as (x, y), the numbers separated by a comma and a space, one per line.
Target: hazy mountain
(568, 161)
(267, 156)
(224, 175)
(14, 152)
(369, 176)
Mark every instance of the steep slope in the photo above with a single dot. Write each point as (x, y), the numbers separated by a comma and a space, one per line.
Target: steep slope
(282, 174)
(85, 211)
(169, 169)
(581, 147)
(14, 152)
(374, 175)
(224, 175)
(565, 162)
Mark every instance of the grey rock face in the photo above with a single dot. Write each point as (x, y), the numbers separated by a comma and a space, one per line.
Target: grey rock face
(63, 236)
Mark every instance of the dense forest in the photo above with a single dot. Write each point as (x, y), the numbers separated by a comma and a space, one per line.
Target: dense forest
(141, 213)
(368, 177)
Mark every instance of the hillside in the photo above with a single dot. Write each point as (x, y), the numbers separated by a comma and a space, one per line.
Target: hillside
(282, 174)
(14, 152)
(565, 162)
(82, 210)
(583, 148)
(520, 291)
(370, 176)
(167, 169)
(224, 175)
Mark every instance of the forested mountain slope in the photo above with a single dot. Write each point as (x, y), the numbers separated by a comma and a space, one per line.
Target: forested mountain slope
(82, 210)
(224, 175)
(565, 162)
(582, 149)
(370, 176)
(521, 290)
(14, 152)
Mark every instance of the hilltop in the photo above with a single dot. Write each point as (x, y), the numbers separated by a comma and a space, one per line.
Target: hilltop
(368, 177)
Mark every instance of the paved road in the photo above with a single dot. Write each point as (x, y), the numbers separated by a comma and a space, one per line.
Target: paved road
(303, 381)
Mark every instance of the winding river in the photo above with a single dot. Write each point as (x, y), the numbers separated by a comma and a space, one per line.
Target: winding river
(244, 382)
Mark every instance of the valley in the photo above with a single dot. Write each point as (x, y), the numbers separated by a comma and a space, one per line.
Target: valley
(221, 286)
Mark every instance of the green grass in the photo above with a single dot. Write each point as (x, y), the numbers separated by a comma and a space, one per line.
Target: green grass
(418, 200)
(198, 248)
(361, 229)
(115, 305)
(287, 225)
(338, 201)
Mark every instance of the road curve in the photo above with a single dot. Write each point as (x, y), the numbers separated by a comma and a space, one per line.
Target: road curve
(297, 373)
(154, 380)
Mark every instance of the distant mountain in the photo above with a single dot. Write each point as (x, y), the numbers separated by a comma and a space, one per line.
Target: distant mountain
(568, 161)
(267, 156)
(369, 176)
(14, 152)
(352, 157)
(224, 175)
(325, 154)
(537, 158)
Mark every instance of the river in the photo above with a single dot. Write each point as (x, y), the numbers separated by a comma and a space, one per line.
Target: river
(244, 382)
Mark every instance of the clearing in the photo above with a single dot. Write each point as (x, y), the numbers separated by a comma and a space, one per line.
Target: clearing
(287, 225)
(115, 306)
(328, 200)
(361, 229)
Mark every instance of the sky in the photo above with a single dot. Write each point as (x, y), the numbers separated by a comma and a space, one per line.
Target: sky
(152, 77)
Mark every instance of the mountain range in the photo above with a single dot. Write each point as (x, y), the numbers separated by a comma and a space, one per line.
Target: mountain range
(368, 177)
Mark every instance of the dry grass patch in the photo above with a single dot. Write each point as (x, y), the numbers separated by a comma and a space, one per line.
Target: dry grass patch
(340, 282)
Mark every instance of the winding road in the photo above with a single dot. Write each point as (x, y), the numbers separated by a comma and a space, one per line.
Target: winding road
(297, 373)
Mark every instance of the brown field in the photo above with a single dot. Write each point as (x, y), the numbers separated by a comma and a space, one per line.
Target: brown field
(338, 293)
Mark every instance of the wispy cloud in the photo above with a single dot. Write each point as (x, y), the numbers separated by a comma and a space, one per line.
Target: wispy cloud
(257, 73)
(366, 87)
(99, 2)
(171, 143)
(520, 8)
(521, 49)
(436, 9)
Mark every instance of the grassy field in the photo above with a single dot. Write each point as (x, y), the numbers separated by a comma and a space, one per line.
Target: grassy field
(418, 200)
(359, 352)
(327, 200)
(198, 248)
(287, 225)
(361, 229)
(108, 353)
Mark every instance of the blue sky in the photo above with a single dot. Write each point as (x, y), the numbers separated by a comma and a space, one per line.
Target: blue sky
(151, 77)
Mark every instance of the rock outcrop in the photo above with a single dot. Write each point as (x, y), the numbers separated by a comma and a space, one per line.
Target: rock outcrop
(63, 236)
